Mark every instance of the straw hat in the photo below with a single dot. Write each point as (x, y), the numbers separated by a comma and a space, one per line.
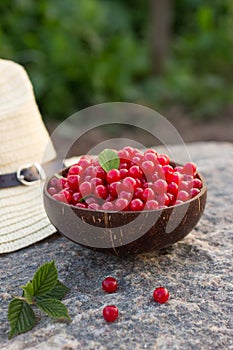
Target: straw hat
(23, 139)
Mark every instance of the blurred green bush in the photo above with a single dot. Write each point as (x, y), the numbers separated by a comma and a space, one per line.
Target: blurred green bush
(82, 52)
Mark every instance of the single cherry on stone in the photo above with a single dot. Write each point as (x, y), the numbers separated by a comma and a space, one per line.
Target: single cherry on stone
(110, 313)
(161, 295)
(109, 284)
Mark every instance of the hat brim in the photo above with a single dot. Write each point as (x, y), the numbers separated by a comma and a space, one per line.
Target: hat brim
(23, 218)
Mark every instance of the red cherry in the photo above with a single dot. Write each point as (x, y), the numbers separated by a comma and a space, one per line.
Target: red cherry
(108, 206)
(187, 177)
(62, 183)
(73, 181)
(197, 183)
(194, 192)
(148, 167)
(163, 159)
(84, 163)
(81, 205)
(52, 190)
(190, 168)
(91, 171)
(90, 200)
(67, 195)
(137, 160)
(151, 156)
(135, 171)
(114, 188)
(185, 185)
(95, 181)
(160, 186)
(161, 295)
(54, 182)
(159, 171)
(123, 155)
(93, 206)
(163, 199)
(109, 284)
(136, 205)
(113, 175)
(76, 197)
(138, 192)
(100, 173)
(110, 313)
(176, 177)
(172, 188)
(76, 170)
(172, 199)
(125, 194)
(129, 183)
(147, 194)
(59, 197)
(178, 169)
(151, 205)
(148, 185)
(183, 196)
(123, 165)
(130, 151)
(121, 204)
(96, 162)
(87, 178)
(124, 173)
(85, 188)
(168, 172)
(101, 192)
(150, 150)
(138, 183)
(110, 198)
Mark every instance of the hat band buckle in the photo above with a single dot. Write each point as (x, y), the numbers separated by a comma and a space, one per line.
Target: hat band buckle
(40, 174)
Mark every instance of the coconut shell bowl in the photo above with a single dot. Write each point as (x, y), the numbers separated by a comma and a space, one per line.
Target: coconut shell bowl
(125, 232)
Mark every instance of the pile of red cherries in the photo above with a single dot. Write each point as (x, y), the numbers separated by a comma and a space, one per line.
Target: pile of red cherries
(143, 181)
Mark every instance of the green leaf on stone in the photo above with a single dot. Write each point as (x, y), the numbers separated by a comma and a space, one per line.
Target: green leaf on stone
(53, 308)
(44, 279)
(58, 292)
(109, 159)
(21, 317)
(28, 292)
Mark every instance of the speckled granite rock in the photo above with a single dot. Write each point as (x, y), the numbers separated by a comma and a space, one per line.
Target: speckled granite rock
(197, 271)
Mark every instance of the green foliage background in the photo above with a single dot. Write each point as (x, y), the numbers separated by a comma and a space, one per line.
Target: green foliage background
(82, 52)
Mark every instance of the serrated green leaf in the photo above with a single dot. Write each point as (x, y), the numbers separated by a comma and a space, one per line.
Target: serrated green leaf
(20, 316)
(53, 308)
(58, 292)
(44, 279)
(28, 292)
(109, 159)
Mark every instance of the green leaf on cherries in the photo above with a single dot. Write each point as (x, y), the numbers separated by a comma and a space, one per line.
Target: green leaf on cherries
(109, 159)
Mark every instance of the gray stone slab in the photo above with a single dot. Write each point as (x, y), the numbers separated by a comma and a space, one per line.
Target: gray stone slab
(197, 271)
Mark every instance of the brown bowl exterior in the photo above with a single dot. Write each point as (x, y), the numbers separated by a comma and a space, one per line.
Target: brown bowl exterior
(126, 232)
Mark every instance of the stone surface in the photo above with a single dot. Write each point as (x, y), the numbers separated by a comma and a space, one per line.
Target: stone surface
(197, 271)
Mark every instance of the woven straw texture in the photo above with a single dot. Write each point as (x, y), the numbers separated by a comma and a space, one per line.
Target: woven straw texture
(23, 141)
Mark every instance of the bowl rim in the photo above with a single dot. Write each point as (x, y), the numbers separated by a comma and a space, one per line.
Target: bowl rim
(200, 194)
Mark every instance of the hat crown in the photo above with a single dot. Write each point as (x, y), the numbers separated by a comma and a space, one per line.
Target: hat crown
(23, 136)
